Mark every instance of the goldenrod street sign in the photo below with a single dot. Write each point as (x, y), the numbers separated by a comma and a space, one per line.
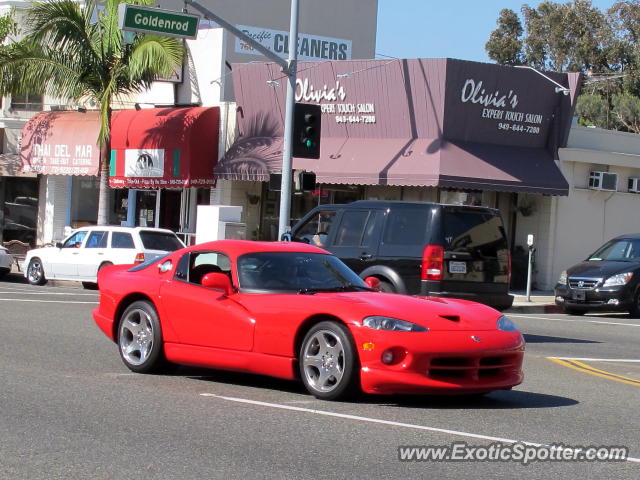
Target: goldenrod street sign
(154, 20)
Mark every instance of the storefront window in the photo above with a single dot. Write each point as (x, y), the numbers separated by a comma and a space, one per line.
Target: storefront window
(29, 101)
(84, 202)
(146, 208)
(19, 209)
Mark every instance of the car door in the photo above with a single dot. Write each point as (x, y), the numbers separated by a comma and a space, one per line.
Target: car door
(92, 254)
(356, 239)
(64, 264)
(317, 229)
(201, 316)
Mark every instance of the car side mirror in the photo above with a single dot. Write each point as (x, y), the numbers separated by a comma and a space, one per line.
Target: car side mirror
(217, 281)
(58, 244)
(373, 282)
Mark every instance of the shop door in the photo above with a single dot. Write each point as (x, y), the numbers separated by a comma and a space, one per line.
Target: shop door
(170, 201)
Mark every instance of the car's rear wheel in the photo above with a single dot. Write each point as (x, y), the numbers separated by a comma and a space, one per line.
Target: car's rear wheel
(328, 361)
(35, 272)
(140, 338)
(574, 311)
(92, 285)
(387, 287)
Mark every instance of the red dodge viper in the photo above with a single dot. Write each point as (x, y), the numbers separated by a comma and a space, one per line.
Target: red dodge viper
(293, 310)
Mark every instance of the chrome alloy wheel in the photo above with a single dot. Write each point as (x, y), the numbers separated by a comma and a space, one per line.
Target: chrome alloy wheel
(136, 336)
(35, 272)
(323, 360)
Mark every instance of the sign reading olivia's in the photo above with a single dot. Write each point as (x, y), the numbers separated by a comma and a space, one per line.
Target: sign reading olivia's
(310, 47)
(332, 100)
(501, 105)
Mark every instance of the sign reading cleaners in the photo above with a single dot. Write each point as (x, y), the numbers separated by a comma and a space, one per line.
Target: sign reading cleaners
(310, 47)
(500, 105)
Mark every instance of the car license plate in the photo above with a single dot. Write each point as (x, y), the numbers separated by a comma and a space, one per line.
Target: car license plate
(457, 267)
(577, 295)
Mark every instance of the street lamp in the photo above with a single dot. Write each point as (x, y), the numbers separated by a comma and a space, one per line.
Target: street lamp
(559, 88)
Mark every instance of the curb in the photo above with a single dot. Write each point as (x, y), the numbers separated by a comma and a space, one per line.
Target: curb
(546, 308)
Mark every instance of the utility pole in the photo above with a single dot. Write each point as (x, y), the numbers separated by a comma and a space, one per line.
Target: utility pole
(290, 69)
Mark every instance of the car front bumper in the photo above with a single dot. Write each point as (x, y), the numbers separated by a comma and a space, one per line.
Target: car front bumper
(463, 362)
(610, 300)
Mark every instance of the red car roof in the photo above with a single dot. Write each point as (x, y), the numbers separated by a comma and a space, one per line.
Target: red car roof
(235, 248)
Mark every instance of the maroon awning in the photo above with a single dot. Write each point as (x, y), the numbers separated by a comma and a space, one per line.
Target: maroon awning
(403, 162)
(420, 122)
(61, 143)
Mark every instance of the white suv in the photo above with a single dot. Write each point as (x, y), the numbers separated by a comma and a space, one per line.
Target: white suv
(88, 249)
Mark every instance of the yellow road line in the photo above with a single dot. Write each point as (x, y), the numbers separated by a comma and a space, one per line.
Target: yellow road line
(584, 368)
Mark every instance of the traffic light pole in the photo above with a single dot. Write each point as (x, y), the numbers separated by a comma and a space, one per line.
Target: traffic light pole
(285, 186)
(289, 68)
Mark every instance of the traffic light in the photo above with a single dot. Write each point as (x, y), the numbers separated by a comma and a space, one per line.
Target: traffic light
(306, 131)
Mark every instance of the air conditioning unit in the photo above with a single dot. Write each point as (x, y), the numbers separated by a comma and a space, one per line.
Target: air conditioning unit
(603, 181)
(634, 184)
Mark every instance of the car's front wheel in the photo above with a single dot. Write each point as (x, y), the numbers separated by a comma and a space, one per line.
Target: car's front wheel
(634, 310)
(328, 362)
(35, 272)
(140, 338)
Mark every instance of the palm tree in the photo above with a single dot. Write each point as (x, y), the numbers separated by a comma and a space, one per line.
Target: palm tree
(76, 52)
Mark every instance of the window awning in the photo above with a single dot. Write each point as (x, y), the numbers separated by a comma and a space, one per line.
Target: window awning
(405, 162)
(164, 147)
(61, 143)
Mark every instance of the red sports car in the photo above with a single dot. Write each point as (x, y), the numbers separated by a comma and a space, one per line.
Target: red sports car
(293, 310)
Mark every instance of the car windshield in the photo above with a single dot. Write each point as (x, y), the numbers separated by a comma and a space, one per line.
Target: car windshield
(625, 250)
(296, 272)
(164, 241)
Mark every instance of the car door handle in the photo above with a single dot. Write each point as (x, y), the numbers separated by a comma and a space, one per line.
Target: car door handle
(365, 256)
(100, 253)
(75, 253)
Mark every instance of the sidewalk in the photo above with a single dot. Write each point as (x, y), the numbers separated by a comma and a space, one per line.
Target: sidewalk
(541, 302)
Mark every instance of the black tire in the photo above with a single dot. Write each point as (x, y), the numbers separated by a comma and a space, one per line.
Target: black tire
(89, 285)
(328, 361)
(574, 311)
(387, 287)
(35, 272)
(140, 338)
(634, 310)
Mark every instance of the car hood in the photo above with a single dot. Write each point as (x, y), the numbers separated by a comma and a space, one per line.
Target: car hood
(601, 268)
(439, 314)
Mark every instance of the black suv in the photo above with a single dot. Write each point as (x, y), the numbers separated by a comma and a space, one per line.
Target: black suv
(608, 280)
(416, 247)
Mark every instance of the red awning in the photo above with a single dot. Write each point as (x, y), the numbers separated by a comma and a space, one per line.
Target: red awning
(61, 143)
(164, 147)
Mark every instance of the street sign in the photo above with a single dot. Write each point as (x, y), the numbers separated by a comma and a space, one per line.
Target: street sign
(136, 18)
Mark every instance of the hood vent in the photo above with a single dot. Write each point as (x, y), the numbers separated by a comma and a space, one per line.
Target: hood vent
(453, 318)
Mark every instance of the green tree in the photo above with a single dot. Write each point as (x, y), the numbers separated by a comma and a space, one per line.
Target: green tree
(593, 110)
(505, 45)
(626, 108)
(77, 52)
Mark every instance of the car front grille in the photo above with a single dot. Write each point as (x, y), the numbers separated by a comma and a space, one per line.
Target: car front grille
(470, 368)
(583, 283)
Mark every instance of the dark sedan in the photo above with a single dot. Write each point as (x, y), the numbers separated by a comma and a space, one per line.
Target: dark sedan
(608, 280)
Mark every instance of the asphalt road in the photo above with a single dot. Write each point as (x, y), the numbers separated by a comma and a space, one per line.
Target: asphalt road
(70, 409)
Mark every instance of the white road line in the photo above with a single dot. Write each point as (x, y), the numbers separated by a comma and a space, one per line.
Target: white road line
(43, 301)
(574, 321)
(48, 293)
(386, 422)
(623, 360)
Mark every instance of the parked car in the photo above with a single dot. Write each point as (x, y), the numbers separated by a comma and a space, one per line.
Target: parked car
(416, 247)
(293, 311)
(6, 260)
(608, 280)
(88, 249)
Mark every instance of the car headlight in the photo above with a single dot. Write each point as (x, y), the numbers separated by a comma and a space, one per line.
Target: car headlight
(619, 279)
(388, 323)
(506, 325)
(563, 278)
